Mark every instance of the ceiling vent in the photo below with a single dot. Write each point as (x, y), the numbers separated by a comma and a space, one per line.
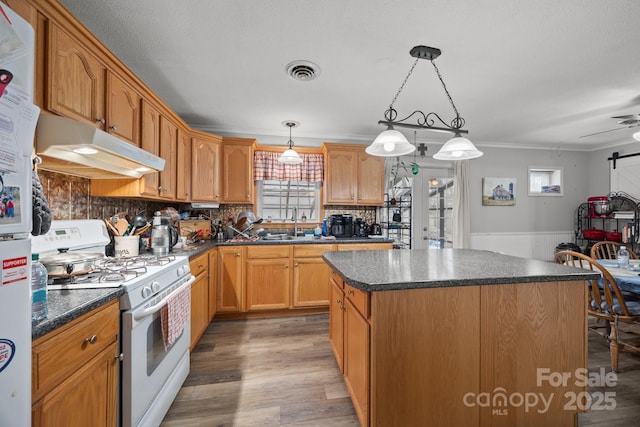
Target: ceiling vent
(303, 70)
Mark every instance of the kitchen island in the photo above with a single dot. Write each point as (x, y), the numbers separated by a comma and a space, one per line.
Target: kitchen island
(459, 337)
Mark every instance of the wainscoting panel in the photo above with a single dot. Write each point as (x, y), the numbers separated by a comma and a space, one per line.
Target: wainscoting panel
(527, 245)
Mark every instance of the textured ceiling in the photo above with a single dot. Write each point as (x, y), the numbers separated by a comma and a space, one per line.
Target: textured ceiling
(522, 73)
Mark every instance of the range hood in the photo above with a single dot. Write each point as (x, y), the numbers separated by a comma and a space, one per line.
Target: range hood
(77, 148)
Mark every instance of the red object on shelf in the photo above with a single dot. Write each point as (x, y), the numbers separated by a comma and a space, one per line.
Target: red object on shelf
(593, 234)
(613, 236)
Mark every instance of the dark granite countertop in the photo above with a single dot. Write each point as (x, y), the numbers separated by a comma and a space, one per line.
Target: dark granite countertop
(204, 245)
(394, 269)
(67, 305)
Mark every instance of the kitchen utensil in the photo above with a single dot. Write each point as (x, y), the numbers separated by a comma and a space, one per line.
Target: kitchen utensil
(142, 229)
(613, 236)
(375, 229)
(127, 245)
(163, 238)
(593, 234)
(64, 263)
(599, 206)
(111, 228)
(137, 221)
(122, 226)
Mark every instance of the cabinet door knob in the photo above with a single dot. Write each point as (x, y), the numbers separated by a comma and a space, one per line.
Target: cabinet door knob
(119, 357)
(286, 266)
(238, 254)
(349, 292)
(339, 301)
(113, 127)
(101, 120)
(92, 340)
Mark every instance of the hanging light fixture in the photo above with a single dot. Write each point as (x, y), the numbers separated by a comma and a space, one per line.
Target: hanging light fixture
(392, 143)
(290, 157)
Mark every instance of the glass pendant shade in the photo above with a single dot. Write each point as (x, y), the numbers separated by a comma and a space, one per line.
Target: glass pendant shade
(290, 157)
(458, 148)
(390, 143)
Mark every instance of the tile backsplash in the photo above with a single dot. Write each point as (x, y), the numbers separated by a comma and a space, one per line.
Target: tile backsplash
(69, 198)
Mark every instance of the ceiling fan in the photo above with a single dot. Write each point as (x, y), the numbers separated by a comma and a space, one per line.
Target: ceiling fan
(628, 121)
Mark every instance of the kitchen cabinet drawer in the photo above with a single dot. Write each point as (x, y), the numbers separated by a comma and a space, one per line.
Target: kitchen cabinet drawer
(364, 246)
(310, 251)
(57, 355)
(359, 299)
(199, 265)
(268, 251)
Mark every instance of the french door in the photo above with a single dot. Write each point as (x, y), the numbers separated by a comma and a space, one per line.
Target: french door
(433, 208)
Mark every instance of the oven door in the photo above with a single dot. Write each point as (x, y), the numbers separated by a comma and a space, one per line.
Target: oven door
(151, 374)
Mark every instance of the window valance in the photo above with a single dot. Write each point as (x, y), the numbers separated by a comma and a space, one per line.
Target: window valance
(266, 166)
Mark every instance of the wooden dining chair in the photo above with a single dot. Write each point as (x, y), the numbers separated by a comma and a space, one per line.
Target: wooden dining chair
(608, 304)
(609, 250)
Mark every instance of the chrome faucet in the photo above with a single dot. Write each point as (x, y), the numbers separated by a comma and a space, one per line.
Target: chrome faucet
(295, 222)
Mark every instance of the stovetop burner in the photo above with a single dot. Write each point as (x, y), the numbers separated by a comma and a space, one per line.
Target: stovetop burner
(112, 272)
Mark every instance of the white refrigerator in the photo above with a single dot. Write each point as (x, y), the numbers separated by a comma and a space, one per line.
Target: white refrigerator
(17, 124)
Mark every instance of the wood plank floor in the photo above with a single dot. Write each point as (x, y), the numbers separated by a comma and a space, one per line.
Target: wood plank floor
(281, 372)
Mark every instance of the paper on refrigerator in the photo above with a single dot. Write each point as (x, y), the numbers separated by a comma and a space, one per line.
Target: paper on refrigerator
(18, 115)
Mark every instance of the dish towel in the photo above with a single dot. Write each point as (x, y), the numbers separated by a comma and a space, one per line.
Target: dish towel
(175, 314)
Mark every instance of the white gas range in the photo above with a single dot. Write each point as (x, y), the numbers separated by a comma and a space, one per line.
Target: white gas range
(152, 371)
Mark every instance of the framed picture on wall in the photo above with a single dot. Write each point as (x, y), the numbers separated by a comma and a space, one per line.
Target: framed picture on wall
(497, 191)
(545, 181)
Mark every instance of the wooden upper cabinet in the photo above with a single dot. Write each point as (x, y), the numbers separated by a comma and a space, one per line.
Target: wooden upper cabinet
(150, 141)
(75, 80)
(183, 167)
(352, 177)
(123, 110)
(168, 151)
(237, 158)
(79, 86)
(340, 177)
(206, 168)
(370, 179)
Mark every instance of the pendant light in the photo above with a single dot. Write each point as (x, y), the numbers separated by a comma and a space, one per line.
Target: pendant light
(290, 157)
(392, 143)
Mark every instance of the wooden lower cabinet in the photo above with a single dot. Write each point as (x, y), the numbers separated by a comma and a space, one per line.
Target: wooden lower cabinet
(356, 359)
(310, 276)
(421, 352)
(230, 297)
(199, 297)
(213, 284)
(261, 278)
(75, 371)
(88, 397)
(268, 278)
(336, 320)
(268, 284)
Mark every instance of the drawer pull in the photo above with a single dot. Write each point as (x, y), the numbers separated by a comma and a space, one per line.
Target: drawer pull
(349, 292)
(92, 340)
(339, 301)
(119, 357)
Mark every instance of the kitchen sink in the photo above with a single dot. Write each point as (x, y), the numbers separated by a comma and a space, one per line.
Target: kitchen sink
(285, 237)
(297, 238)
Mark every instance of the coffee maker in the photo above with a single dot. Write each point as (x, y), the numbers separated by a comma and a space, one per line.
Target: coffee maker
(360, 228)
(341, 225)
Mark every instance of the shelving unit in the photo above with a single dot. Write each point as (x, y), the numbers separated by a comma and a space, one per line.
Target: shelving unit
(586, 219)
(395, 217)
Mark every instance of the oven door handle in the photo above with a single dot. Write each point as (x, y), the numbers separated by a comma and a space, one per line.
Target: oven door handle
(139, 315)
